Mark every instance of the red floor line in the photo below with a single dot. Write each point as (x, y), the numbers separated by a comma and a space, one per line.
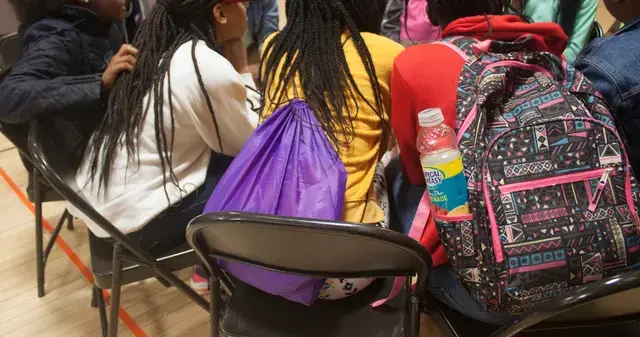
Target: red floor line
(125, 318)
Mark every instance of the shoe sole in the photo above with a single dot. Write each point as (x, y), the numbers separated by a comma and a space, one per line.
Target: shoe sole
(201, 288)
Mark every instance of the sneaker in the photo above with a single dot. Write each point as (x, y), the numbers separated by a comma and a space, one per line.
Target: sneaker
(199, 281)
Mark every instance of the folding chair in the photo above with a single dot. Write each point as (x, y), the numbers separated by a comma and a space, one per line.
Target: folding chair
(17, 134)
(315, 248)
(113, 264)
(609, 307)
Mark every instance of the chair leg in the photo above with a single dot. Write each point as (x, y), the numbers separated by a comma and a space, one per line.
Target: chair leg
(69, 222)
(99, 296)
(415, 317)
(54, 237)
(37, 200)
(214, 304)
(94, 297)
(115, 290)
(412, 326)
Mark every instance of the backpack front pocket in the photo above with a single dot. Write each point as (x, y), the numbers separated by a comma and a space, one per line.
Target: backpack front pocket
(563, 231)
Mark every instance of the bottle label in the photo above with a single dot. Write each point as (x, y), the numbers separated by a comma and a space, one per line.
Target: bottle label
(447, 187)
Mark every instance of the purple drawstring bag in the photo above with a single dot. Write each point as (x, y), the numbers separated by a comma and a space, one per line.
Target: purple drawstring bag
(288, 167)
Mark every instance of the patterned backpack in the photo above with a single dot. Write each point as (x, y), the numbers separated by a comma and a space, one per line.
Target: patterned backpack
(552, 195)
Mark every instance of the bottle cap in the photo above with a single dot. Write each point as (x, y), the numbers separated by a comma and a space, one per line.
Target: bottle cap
(430, 117)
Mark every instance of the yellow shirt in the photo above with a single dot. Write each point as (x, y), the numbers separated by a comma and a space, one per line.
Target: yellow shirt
(361, 156)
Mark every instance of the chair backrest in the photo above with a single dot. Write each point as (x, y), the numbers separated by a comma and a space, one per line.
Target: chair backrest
(596, 31)
(44, 145)
(316, 248)
(9, 50)
(605, 300)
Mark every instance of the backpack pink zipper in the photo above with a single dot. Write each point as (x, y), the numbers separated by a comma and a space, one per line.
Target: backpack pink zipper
(603, 173)
(569, 178)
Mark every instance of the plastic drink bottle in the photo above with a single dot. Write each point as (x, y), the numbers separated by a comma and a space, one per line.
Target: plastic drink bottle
(442, 165)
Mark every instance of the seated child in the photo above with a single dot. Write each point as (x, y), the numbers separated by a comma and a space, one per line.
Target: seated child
(344, 75)
(159, 151)
(65, 69)
(427, 76)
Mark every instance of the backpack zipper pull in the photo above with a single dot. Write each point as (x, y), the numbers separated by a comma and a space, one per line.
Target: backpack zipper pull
(593, 205)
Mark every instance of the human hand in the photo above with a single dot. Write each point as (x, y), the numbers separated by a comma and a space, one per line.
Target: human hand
(123, 60)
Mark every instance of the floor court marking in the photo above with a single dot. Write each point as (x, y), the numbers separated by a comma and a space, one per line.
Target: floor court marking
(125, 318)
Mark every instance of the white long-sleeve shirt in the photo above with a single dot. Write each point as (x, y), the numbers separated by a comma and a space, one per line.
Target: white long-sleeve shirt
(135, 194)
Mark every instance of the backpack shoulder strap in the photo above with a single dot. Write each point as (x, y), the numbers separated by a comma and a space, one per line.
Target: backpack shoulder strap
(417, 230)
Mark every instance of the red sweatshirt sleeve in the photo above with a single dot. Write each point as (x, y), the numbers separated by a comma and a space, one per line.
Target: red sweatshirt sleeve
(404, 124)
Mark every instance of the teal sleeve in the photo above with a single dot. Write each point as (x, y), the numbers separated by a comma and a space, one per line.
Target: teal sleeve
(584, 21)
(545, 11)
(541, 10)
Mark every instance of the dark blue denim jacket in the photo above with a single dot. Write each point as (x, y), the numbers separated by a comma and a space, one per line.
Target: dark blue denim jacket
(613, 65)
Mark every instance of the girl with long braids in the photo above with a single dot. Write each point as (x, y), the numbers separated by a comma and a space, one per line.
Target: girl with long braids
(171, 123)
(330, 56)
(427, 76)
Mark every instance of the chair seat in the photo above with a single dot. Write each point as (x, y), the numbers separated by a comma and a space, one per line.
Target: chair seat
(253, 313)
(177, 258)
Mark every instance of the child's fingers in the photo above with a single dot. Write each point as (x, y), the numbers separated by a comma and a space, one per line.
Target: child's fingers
(127, 49)
(129, 59)
(122, 66)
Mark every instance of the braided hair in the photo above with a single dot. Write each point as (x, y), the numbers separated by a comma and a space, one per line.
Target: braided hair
(447, 11)
(170, 24)
(311, 47)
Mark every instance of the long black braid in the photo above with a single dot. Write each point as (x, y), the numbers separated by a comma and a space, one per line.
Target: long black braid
(311, 47)
(448, 11)
(170, 24)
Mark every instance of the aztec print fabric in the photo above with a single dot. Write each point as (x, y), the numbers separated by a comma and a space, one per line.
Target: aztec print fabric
(552, 195)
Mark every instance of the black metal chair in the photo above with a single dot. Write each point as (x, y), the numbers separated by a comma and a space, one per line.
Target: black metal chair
(609, 307)
(596, 32)
(113, 264)
(315, 248)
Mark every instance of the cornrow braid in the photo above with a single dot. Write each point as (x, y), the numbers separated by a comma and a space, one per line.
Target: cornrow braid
(170, 24)
(308, 56)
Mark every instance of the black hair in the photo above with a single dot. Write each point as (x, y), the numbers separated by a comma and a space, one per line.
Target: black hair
(170, 24)
(311, 47)
(448, 11)
(29, 11)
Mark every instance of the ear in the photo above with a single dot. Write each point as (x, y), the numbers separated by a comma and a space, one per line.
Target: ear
(218, 14)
